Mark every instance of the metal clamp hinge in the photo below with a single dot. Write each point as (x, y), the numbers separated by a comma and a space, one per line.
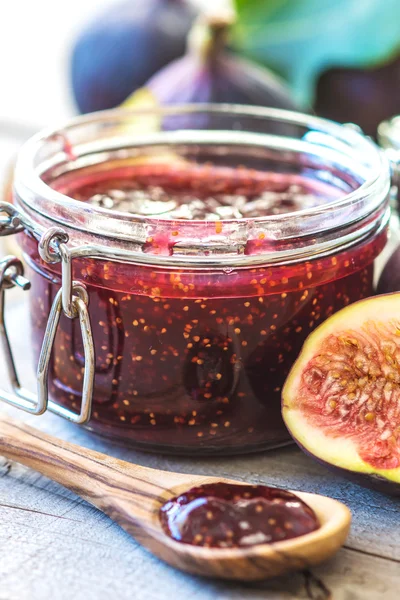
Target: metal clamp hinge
(72, 298)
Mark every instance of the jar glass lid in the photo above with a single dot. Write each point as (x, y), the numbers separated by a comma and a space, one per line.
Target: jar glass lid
(249, 141)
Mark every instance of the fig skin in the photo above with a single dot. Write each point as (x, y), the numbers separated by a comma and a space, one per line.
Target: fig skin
(120, 49)
(227, 80)
(338, 452)
(389, 280)
(210, 73)
(372, 481)
(365, 96)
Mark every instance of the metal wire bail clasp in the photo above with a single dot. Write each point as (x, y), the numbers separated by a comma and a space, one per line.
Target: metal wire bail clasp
(11, 274)
(10, 221)
(73, 300)
(53, 249)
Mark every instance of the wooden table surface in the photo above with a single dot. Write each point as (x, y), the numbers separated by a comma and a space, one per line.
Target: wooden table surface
(55, 546)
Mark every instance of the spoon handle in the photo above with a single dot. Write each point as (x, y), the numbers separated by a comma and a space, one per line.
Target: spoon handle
(104, 481)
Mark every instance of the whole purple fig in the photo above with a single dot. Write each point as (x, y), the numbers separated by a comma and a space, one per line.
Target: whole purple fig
(359, 95)
(124, 46)
(210, 72)
(389, 280)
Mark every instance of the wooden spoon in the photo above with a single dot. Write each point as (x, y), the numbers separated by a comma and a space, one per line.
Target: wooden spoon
(132, 496)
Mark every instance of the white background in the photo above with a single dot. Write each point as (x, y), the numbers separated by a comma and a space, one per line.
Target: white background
(36, 38)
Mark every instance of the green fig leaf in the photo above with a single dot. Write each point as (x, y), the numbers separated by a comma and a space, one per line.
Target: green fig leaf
(301, 38)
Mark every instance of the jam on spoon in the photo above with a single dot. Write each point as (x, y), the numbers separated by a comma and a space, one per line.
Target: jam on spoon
(132, 495)
(226, 515)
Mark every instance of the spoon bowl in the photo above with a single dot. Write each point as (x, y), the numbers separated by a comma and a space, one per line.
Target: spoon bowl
(132, 496)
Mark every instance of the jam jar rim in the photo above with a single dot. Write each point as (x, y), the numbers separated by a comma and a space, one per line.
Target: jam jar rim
(28, 186)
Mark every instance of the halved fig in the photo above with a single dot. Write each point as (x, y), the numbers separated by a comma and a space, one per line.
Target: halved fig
(341, 400)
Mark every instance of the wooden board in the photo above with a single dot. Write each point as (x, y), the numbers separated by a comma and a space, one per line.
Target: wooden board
(54, 546)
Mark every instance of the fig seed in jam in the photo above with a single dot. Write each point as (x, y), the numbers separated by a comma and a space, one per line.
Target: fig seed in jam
(202, 192)
(222, 515)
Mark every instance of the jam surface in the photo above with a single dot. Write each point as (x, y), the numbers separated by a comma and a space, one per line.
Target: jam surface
(222, 515)
(204, 192)
(191, 360)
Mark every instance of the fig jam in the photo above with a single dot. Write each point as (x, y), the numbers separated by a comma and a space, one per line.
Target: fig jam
(193, 360)
(222, 515)
(198, 192)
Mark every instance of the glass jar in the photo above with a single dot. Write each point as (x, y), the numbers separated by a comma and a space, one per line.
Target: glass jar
(180, 332)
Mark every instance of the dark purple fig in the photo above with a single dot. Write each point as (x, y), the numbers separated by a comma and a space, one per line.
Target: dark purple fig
(341, 399)
(209, 72)
(124, 46)
(362, 96)
(389, 280)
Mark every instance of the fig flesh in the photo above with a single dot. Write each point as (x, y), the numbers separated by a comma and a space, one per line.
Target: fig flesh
(341, 400)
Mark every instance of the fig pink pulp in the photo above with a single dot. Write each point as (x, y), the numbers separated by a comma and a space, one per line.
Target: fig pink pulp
(193, 360)
(341, 400)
